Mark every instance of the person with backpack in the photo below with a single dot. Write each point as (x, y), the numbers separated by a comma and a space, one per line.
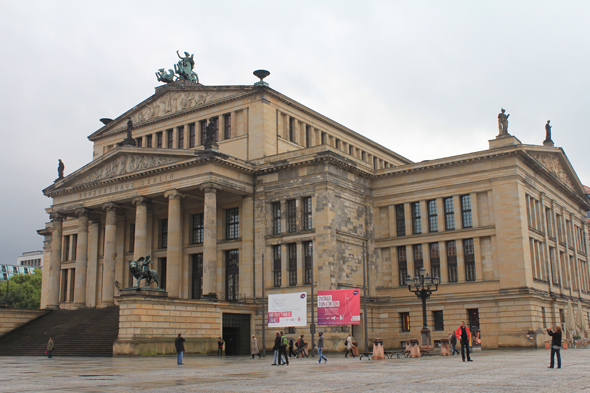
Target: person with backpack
(283, 348)
(348, 343)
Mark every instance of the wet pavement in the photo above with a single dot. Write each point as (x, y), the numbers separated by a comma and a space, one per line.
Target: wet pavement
(491, 371)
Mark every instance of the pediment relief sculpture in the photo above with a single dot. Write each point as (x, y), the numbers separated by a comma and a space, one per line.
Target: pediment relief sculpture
(124, 164)
(554, 165)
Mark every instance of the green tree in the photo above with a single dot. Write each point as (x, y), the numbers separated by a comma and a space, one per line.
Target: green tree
(24, 290)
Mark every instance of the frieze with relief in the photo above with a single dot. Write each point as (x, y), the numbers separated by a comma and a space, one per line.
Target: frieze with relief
(553, 164)
(125, 164)
(172, 102)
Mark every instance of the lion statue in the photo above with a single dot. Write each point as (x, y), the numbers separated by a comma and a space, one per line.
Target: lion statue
(140, 269)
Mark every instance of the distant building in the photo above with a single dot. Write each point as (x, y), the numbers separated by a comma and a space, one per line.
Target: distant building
(31, 259)
(7, 271)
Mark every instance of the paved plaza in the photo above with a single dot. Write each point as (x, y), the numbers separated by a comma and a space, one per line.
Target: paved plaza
(491, 371)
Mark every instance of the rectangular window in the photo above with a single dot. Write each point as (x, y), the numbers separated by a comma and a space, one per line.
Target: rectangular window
(292, 215)
(308, 249)
(148, 141)
(449, 214)
(164, 233)
(549, 222)
(232, 275)
(469, 254)
(159, 140)
(435, 260)
(131, 238)
(74, 247)
(170, 138)
(227, 126)
(402, 264)
(291, 129)
(416, 218)
(198, 228)
(162, 266)
(323, 138)
(181, 137)
(418, 259)
(405, 318)
(292, 264)
(544, 317)
(138, 141)
(192, 139)
(400, 220)
(203, 127)
(559, 228)
(452, 260)
(276, 257)
(232, 223)
(466, 211)
(307, 216)
(196, 276)
(438, 320)
(364, 156)
(432, 216)
(276, 218)
(307, 136)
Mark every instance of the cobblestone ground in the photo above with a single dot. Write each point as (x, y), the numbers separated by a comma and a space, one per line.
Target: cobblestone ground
(491, 371)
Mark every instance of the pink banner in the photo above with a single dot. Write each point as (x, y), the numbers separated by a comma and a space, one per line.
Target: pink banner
(339, 307)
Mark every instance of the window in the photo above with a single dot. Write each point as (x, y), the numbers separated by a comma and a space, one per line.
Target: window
(544, 317)
(323, 138)
(162, 266)
(400, 220)
(232, 275)
(364, 156)
(159, 140)
(468, 253)
(148, 140)
(138, 141)
(291, 129)
(416, 218)
(196, 276)
(449, 214)
(308, 249)
(198, 228)
(276, 258)
(191, 135)
(170, 138)
(432, 217)
(375, 163)
(402, 264)
(405, 318)
(232, 223)
(434, 260)
(164, 233)
(290, 330)
(227, 126)
(452, 260)
(418, 259)
(549, 222)
(466, 211)
(438, 320)
(131, 247)
(292, 215)
(203, 127)
(307, 136)
(181, 137)
(559, 228)
(292, 264)
(276, 218)
(307, 223)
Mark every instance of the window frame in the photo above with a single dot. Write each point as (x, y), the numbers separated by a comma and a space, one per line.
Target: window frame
(466, 211)
(232, 223)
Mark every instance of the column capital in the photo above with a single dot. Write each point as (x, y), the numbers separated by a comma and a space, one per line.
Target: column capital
(56, 217)
(209, 188)
(173, 194)
(141, 201)
(109, 206)
(82, 212)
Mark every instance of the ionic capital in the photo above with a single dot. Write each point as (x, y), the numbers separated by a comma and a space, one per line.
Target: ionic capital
(141, 201)
(173, 194)
(82, 212)
(56, 217)
(209, 188)
(110, 207)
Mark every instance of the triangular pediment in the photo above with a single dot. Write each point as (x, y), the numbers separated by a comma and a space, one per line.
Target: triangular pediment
(170, 100)
(556, 162)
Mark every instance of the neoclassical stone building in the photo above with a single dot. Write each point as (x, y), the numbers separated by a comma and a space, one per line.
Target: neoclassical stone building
(288, 190)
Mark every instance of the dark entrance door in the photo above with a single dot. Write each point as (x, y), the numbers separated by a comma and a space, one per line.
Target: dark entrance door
(236, 334)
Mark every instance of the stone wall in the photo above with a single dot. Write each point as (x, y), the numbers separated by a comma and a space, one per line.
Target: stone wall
(11, 318)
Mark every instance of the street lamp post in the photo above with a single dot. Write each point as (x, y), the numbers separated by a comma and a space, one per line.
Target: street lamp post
(423, 284)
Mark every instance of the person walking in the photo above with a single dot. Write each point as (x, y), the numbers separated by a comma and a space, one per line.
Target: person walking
(50, 347)
(301, 347)
(349, 346)
(220, 343)
(283, 349)
(255, 349)
(276, 349)
(291, 349)
(555, 346)
(179, 344)
(464, 335)
(453, 341)
(321, 348)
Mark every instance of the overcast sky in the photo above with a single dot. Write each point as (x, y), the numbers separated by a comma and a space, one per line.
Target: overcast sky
(423, 78)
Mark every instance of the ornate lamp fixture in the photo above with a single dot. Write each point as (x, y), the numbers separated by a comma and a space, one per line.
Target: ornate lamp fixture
(423, 289)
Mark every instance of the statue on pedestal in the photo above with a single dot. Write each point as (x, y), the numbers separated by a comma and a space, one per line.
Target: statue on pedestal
(503, 122)
(60, 169)
(185, 66)
(164, 76)
(547, 133)
(140, 269)
(211, 134)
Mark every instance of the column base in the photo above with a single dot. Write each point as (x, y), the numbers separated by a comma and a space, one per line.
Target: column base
(106, 304)
(52, 307)
(78, 305)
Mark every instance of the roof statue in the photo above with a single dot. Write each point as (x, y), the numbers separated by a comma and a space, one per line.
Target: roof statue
(211, 135)
(503, 122)
(548, 141)
(60, 169)
(129, 141)
(183, 70)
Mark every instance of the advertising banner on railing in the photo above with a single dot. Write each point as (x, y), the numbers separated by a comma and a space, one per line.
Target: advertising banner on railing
(339, 307)
(287, 309)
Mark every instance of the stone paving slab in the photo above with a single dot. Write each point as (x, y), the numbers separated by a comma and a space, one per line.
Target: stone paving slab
(491, 371)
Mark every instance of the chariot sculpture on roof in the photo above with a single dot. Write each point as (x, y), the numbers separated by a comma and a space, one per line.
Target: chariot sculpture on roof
(183, 70)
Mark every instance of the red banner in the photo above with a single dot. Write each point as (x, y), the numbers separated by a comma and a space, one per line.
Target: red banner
(339, 307)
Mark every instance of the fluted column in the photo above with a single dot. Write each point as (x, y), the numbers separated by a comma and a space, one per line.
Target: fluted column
(92, 265)
(141, 227)
(55, 261)
(110, 240)
(174, 249)
(210, 242)
(81, 259)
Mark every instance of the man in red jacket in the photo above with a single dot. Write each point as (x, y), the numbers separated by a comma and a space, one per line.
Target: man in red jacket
(464, 336)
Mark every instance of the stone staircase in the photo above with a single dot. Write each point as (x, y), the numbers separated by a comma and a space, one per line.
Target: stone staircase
(84, 332)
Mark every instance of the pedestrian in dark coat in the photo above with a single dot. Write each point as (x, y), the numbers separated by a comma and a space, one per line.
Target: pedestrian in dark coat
(220, 343)
(453, 342)
(464, 336)
(50, 348)
(179, 344)
(276, 348)
(555, 346)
